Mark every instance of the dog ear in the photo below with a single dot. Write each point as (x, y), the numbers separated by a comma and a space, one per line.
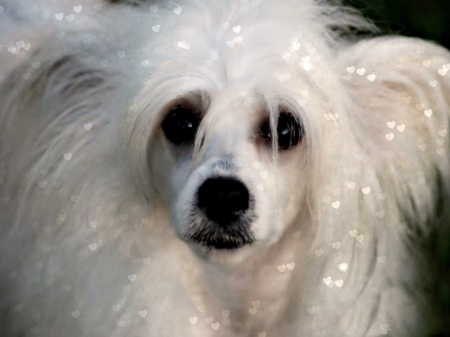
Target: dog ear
(397, 79)
(399, 91)
(61, 81)
(56, 74)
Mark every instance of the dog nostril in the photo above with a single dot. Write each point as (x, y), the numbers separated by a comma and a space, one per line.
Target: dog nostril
(223, 199)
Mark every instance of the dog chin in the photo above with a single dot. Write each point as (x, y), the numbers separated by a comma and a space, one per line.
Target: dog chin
(213, 237)
(220, 244)
(227, 257)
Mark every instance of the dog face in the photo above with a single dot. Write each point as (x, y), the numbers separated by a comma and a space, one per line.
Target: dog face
(229, 164)
(229, 145)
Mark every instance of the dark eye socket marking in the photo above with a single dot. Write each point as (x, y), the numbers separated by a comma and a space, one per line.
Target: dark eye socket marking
(289, 131)
(180, 124)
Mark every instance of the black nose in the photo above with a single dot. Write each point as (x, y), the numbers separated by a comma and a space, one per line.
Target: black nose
(223, 199)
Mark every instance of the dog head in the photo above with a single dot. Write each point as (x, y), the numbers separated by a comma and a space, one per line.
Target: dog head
(230, 141)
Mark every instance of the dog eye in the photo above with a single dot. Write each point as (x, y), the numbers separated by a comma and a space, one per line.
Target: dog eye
(180, 125)
(289, 131)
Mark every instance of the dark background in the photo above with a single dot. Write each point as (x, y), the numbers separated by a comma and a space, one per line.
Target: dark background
(428, 19)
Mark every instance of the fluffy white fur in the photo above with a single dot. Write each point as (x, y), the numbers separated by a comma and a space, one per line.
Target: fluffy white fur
(93, 198)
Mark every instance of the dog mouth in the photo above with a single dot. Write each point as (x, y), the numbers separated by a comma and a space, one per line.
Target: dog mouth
(213, 236)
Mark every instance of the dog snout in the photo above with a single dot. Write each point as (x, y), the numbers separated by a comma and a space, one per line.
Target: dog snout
(223, 199)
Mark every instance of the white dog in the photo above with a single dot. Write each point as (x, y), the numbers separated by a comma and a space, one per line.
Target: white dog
(215, 168)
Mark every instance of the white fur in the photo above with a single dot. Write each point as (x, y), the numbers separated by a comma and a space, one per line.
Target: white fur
(90, 219)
